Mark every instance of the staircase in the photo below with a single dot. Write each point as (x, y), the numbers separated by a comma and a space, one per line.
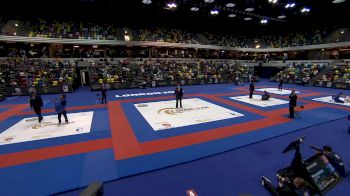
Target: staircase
(202, 39)
(2, 92)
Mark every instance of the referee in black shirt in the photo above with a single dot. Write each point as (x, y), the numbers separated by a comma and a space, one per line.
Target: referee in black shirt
(292, 103)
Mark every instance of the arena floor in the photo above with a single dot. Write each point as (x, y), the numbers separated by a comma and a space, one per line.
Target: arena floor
(139, 130)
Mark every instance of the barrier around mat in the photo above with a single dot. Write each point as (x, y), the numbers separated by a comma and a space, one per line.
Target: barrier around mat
(162, 83)
(340, 85)
(18, 91)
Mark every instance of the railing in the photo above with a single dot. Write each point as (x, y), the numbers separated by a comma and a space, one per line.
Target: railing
(24, 39)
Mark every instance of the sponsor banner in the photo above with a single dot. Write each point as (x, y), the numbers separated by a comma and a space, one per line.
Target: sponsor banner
(163, 114)
(276, 91)
(256, 100)
(145, 94)
(329, 99)
(161, 83)
(340, 85)
(29, 129)
(11, 91)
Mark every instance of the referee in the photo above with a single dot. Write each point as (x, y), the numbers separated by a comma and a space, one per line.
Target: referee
(178, 95)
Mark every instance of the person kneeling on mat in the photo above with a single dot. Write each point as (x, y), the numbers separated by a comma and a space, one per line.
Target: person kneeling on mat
(336, 98)
(265, 96)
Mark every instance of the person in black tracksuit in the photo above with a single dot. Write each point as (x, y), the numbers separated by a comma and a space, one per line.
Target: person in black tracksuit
(178, 95)
(292, 103)
(104, 94)
(251, 89)
(36, 103)
(280, 84)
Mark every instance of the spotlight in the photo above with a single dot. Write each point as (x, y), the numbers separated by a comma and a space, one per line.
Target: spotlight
(147, 2)
(171, 5)
(194, 9)
(247, 18)
(230, 5)
(232, 15)
(342, 32)
(338, 1)
(273, 1)
(214, 12)
(16, 25)
(305, 10)
(208, 1)
(289, 5)
(264, 21)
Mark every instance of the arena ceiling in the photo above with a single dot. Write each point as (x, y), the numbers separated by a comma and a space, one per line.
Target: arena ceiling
(196, 14)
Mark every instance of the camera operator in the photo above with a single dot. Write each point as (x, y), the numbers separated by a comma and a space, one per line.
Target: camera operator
(297, 187)
(334, 159)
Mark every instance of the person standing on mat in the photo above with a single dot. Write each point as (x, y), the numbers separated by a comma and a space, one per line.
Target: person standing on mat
(292, 103)
(60, 107)
(104, 93)
(178, 95)
(251, 90)
(36, 103)
(280, 84)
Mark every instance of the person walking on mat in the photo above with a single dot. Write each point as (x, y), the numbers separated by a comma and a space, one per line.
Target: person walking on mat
(292, 103)
(178, 95)
(280, 84)
(104, 93)
(60, 108)
(36, 103)
(251, 90)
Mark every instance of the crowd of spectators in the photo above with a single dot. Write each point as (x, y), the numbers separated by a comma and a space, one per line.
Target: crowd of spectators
(72, 30)
(299, 73)
(19, 72)
(268, 41)
(112, 71)
(80, 30)
(340, 74)
(157, 34)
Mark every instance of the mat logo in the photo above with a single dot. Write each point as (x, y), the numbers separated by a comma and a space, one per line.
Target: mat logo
(176, 111)
(31, 119)
(165, 125)
(79, 129)
(145, 94)
(8, 139)
(41, 136)
(142, 105)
